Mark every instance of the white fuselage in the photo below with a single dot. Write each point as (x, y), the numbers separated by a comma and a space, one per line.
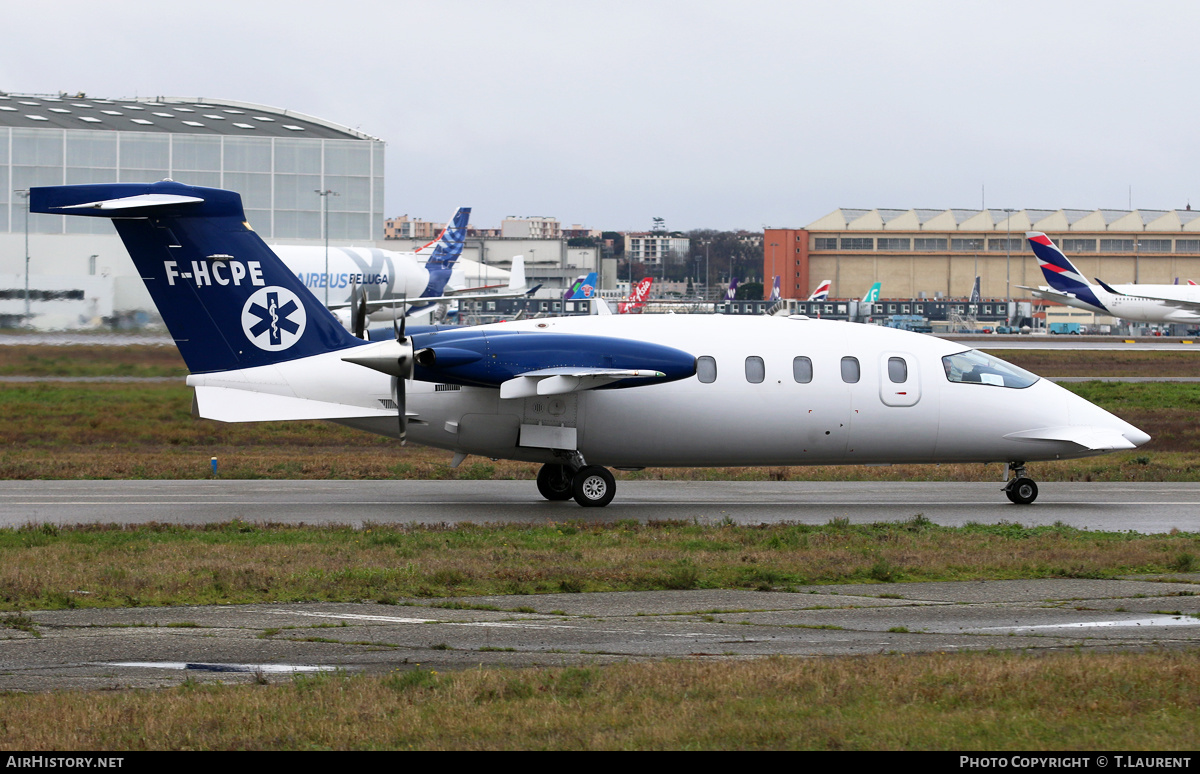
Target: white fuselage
(730, 420)
(1138, 303)
(382, 273)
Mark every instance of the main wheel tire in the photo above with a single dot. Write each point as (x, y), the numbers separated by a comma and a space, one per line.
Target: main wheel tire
(594, 487)
(555, 482)
(1022, 491)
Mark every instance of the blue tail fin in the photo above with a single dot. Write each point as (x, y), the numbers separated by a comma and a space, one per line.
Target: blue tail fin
(227, 299)
(582, 287)
(450, 241)
(1058, 270)
(449, 246)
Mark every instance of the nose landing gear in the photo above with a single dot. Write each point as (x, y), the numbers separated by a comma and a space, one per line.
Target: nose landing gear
(1020, 489)
(592, 486)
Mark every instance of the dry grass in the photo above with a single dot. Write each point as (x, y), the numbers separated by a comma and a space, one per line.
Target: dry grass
(1085, 362)
(994, 702)
(84, 360)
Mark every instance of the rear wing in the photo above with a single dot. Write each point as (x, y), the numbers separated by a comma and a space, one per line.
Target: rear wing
(227, 299)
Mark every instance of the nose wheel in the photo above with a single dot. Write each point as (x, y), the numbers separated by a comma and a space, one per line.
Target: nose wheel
(592, 486)
(1020, 489)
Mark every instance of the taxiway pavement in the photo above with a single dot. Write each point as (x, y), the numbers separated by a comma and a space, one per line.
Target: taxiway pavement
(156, 647)
(1139, 507)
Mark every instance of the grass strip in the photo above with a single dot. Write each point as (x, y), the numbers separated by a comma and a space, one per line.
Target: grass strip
(985, 701)
(48, 567)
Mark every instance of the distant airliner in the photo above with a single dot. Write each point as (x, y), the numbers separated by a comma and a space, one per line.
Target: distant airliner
(384, 277)
(1141, 303)
(636, 301)
(578, 394)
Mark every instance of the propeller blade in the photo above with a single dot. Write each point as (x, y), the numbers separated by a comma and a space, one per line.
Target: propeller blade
(360, 313)
(405, 364)
(402, 403)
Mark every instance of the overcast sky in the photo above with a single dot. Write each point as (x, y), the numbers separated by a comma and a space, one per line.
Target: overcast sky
(709, 114)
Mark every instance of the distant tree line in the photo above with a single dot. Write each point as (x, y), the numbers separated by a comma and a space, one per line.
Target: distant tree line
(729, 254)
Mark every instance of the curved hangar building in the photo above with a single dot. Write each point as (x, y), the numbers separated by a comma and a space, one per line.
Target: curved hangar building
(277, 159)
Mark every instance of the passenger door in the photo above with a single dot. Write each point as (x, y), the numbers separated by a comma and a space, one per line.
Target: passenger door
(899, 379)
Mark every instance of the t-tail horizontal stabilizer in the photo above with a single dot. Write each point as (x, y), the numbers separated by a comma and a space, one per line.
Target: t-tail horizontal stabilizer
(226, 298)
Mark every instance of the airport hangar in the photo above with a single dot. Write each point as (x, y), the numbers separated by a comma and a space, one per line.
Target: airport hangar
(278, 160)
(931, 254)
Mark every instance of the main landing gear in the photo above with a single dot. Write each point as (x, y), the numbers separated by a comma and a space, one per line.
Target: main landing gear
(1020, 489)
(592, 486)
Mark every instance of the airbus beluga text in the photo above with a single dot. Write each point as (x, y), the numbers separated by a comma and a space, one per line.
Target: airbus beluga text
(578, 394)
(349, 278)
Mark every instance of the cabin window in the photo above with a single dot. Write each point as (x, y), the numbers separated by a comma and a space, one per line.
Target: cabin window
(706, 369)
(974, 367)
(802, 370)
(850, 370)
(897, 370)
(756, 371)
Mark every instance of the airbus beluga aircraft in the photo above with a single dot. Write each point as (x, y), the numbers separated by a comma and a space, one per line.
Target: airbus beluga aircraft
(578, 394)
(375, 280)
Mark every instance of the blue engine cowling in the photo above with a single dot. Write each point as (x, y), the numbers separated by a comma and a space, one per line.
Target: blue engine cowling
(490, 358)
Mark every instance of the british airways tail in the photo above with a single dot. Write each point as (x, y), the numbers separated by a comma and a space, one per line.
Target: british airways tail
(822, 291)
(1059, 272)
(226, 298)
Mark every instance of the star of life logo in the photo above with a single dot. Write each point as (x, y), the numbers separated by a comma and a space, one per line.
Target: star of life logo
(273, 318)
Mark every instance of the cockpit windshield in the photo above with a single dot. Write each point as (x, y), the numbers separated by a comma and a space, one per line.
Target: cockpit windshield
(974, 367)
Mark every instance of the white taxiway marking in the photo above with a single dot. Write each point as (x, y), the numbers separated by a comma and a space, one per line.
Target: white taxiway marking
(488, 624)
(206, 667)
(1174, 620)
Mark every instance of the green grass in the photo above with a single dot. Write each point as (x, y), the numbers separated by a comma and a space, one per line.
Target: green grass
(237, 562)
(123, 431)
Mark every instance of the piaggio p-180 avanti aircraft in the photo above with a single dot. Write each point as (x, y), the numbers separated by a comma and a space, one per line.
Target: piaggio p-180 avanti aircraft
(577, 394)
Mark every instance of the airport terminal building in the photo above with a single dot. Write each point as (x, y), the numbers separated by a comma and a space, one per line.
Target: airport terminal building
(932, 254)
(277, 159)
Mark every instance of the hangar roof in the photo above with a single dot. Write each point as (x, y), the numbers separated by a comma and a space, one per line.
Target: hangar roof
(1015, 221)
(183, 115)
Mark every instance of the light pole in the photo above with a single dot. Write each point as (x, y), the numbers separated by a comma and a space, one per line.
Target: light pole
(325, 206)
(1007, 266)
(1137, 259)
(707, 242)
(24, 193)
